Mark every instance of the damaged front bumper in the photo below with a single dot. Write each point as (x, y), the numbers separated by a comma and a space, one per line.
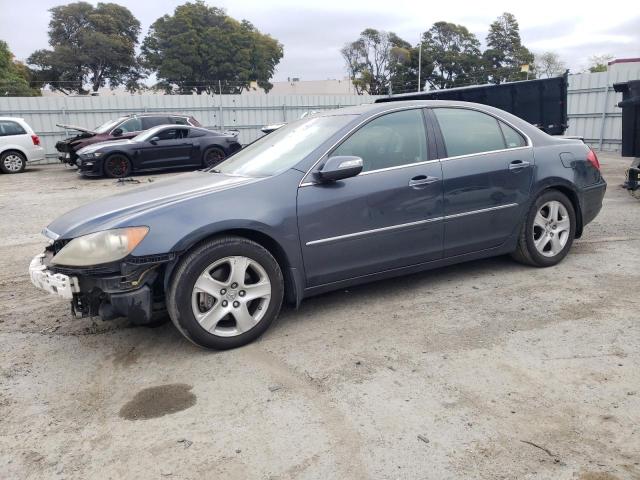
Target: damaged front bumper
(54, 283)
(125, 289)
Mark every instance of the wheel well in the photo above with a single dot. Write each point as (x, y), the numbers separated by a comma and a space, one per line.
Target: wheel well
(573, 197)
(265, 241)
(14, 150)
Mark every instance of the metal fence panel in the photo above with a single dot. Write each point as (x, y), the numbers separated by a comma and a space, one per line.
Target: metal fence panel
(246, 113)
(592, 107)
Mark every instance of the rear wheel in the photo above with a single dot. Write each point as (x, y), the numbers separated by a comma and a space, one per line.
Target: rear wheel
(225, 293)
(116, 166)
(548, 231)
(12, 162)
(213, 156)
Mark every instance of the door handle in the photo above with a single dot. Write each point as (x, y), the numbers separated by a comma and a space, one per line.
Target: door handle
(422, 180)
(518, 164)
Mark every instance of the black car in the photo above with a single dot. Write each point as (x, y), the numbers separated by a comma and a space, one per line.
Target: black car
(162, 147)
(127, 126)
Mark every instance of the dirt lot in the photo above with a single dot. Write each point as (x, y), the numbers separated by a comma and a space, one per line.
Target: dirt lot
(484, 370)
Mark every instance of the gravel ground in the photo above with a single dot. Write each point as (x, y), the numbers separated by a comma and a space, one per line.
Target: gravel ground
(484, 370)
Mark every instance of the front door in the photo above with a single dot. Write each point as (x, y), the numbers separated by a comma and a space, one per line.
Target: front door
(487, 172)
(387, 217)
(170, 147)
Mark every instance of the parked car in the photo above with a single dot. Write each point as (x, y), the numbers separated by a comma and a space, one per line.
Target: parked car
(127, 126)
(326, 202)
(18, 145)
(159, 148)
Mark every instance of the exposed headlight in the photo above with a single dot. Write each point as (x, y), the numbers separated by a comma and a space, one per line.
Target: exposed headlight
(100, 247)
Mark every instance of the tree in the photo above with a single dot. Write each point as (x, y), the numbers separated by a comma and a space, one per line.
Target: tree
(90, 45)
(548, 64)
(506, 54)
(199, 46)
(15, 77)
(452, 56)
(598, 63)
(373, 58)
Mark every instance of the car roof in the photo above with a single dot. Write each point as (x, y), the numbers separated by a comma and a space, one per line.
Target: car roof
(382, 107)
(158, 114)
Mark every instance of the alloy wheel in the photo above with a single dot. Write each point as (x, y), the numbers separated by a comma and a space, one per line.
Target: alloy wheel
(551, 228)
(231, 296)
(13, 163)
(214, 157)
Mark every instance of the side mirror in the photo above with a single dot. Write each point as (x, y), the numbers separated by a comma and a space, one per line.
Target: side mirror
(340, 167)
(117, 132)
(154, 140)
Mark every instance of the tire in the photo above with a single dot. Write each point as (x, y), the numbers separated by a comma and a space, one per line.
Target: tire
(116, 166)
(212, 157)
(544, 240)
(235, 308)
(13, 162)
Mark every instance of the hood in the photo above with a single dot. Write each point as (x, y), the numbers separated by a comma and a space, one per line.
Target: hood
(125, 208)
(97, 146)
(74, 127)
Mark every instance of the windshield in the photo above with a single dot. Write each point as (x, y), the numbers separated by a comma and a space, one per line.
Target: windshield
(105, 127)
(283, 148)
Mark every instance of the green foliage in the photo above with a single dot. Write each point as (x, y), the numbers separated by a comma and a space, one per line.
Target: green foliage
(506, 54)
(598, 63)
(548, 64)
(14, 76)
(379, 62)
(451, 56)
(199, 45)
(374, 58)
(90, 45)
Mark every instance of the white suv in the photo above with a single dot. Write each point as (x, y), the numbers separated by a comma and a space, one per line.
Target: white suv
(18, 145)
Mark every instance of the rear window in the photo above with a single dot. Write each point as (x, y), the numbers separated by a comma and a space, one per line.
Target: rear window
(179, 120)
(466, 132)
(513, 138)
(8, 128)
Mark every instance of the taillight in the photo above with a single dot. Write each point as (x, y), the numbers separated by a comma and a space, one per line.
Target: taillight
(35, 139)
(593, 159)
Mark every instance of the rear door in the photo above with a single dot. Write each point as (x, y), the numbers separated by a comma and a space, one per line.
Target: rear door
(487, 169)
(170, 147)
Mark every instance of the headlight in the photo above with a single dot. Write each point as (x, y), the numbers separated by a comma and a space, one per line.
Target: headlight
(91, 155)
(100, 247)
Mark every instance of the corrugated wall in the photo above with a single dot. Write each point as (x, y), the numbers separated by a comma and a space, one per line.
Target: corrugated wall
(593, 105)
(590, 94)
(246, 113)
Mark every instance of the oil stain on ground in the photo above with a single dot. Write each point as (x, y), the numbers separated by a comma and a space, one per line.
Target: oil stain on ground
(154, 402)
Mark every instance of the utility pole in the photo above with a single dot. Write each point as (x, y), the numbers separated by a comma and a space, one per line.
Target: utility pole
(419, 65)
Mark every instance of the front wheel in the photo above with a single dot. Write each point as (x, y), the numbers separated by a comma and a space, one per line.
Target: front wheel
(548, 230)
(225, 293)
(116, 166)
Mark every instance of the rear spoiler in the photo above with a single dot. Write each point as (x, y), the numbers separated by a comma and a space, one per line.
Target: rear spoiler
(571, 137)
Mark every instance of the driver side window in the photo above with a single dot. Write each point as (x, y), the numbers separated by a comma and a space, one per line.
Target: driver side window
(391, 140)
(172, 134)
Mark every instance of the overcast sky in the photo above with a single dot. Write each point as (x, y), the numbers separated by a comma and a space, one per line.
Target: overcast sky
(313, 31)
